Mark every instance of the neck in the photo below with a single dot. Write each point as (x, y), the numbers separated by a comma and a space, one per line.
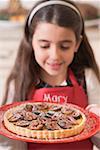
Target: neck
(53, 80)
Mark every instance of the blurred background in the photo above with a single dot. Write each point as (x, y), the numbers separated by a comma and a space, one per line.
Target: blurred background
(12, 18)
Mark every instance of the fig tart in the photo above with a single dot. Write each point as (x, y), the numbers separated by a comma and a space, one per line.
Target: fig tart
(42, 120)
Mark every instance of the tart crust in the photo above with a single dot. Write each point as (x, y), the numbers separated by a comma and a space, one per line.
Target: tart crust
(44, 133)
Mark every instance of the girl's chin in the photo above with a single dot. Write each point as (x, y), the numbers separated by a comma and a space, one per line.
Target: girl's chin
(52, 73)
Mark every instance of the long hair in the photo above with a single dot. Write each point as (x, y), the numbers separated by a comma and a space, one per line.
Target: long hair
(25, 72)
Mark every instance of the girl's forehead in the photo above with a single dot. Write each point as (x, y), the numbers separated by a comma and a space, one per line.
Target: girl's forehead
(48, 29)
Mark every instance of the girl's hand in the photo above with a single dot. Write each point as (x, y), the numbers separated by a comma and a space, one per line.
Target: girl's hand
(95, 108)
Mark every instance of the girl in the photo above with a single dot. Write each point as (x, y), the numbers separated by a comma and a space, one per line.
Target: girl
(55, 55)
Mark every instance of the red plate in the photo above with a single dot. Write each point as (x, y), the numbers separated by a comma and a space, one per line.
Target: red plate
(92, 126)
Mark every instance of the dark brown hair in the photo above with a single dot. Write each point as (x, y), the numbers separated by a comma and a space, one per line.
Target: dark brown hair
(25, 72)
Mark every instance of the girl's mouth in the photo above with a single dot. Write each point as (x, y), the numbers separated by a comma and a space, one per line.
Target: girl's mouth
(54, 66)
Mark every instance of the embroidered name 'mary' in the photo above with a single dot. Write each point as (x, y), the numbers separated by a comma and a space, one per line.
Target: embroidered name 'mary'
(54, 98)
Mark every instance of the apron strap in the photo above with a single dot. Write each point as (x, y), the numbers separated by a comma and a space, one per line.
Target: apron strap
(72, 78)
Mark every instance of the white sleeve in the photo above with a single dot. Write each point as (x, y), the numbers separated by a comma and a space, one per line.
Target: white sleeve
(10, 93)
(93, 87)
(93, 91)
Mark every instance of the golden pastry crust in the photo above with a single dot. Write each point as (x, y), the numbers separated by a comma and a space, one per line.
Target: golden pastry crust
(44, 120)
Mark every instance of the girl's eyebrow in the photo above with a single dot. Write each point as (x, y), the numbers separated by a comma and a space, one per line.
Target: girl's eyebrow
(62, 41)
(40, 40)
(66, 41)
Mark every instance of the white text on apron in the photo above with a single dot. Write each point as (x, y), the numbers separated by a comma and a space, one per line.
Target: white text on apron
(54, 98)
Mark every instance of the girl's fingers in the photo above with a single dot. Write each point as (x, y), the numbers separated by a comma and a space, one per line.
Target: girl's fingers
(95, 108)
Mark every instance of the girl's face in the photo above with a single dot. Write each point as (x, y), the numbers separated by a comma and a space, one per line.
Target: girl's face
(54, 48)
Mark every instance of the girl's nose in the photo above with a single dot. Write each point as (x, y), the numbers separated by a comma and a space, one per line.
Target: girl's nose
(54, 52)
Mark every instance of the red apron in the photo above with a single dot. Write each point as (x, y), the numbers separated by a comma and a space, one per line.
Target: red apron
(70, 94)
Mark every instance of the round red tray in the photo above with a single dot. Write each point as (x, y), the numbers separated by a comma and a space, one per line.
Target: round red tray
(92, 126)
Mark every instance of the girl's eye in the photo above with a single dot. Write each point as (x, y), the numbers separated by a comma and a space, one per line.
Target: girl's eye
(64, 47)
(45, 47)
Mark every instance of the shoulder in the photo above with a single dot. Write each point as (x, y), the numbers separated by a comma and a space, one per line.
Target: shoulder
(93, 86)
(91, 78)
(11, 90)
